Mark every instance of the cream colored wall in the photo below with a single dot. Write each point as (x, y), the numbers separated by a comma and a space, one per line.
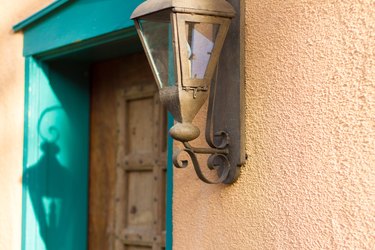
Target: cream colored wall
(310, 124)
(11, 118)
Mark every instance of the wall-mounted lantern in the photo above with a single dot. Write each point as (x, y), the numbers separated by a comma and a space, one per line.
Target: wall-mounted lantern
(183, 40)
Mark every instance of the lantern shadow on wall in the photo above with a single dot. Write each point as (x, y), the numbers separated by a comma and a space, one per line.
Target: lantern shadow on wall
(51, 186)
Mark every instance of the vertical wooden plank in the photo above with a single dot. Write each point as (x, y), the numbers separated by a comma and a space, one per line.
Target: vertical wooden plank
(157, 176)
(140, 140)
(139, 193)
(121, 174)
(102, 157)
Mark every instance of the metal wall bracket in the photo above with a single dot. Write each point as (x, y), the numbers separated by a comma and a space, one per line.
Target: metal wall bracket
(225, 126)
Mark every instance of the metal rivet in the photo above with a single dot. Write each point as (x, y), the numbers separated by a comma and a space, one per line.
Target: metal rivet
(133, 210)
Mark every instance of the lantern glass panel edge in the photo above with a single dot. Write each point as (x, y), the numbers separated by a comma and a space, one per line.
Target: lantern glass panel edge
(200, 43)
(157, 36)
(201, 39)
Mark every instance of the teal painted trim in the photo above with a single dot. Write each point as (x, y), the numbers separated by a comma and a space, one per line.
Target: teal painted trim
(169, 206)
(25, 151)
(33, 81)
(40, 14)
(78, 21)
(55, 176)
(124, 34)
(79, 25)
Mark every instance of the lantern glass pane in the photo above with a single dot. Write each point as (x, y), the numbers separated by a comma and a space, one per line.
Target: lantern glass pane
(157, 36)
(201, 39)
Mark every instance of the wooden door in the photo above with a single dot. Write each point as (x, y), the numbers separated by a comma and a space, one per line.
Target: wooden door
(128, 157)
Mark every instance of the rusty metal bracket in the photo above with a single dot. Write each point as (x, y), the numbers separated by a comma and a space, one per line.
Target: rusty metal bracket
(225, 126)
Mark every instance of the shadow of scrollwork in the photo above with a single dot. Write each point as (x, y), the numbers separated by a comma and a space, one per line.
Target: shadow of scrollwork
(50, 186)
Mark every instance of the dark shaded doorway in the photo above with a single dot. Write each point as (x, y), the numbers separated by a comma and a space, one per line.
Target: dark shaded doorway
(127, 157)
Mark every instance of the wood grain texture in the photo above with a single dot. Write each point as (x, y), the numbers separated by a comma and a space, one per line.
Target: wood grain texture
(128, 157)
(102, 155)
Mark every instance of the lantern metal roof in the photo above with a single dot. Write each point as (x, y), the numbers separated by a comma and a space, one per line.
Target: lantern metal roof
(207, 7)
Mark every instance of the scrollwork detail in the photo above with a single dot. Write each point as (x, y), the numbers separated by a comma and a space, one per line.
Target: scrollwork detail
(177, 162)
(218, 142)
(217, 139)
(216, 161)
(53, 134)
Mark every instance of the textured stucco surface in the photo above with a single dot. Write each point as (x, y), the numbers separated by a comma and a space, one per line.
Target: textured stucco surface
(11, 118)
(309, 182)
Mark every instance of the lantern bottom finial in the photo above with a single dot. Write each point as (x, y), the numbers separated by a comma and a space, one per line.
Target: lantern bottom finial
(184, 132)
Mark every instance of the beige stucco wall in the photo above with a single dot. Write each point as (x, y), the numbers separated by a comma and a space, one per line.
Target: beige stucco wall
(11, 118)
(310, 124)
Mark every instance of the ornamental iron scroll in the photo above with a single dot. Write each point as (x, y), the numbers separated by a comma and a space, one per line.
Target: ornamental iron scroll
(216, 161)
(218, 150)
(183, 41)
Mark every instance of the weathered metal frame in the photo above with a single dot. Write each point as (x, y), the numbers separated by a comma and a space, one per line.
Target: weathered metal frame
(224, 129)
(182, 20)
(203, 7)
(149, 56)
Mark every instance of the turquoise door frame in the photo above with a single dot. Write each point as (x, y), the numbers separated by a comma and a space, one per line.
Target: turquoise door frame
(60, 43)
(56, 149)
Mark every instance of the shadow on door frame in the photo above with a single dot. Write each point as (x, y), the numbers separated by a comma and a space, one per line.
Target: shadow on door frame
(64, 32)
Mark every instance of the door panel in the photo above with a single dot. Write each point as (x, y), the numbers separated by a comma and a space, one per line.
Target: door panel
(128, 157)
(141, 163)
(140, 117)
